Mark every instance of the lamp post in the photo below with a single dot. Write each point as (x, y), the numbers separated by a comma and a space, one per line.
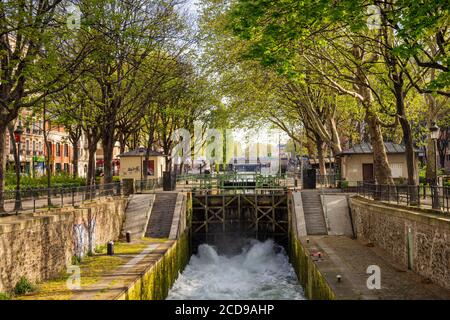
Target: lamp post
(17, 137)
(434, 134)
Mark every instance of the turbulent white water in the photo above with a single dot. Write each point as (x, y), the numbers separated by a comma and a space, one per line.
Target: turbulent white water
(260, 271)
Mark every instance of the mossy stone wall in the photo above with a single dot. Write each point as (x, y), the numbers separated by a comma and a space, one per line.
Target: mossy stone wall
(309, 276)
(40, 246)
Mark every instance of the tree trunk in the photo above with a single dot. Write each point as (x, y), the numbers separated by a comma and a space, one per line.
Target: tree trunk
(108, 148)
(12, 141)
(442, 145)
(3, 153)
(75, 147)
(47, 163)
(320, 156)
(382, 171)
(123, 143)
(91, 164)
(336, 146)
(397, 79)
(410, 155)
(147, 152)
(181, 168)
(321, 160)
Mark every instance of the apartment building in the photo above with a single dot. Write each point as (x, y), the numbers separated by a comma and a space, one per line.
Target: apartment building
(33, 152)
(32, 146)
(83, 157)
(60, 148)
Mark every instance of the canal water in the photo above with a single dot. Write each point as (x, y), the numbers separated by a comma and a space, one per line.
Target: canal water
(260, 270)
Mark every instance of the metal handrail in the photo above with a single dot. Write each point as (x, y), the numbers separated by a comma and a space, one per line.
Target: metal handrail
(32, 199)
(411, 195)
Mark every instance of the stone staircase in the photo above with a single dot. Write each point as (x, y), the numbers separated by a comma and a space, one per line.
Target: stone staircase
(162, 214)
(313, 211)
(136, 214)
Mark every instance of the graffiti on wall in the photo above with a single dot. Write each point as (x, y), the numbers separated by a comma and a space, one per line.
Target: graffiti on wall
(84, 237)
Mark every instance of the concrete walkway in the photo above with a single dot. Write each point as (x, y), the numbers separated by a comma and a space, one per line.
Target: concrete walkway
(340, 255)
(114, 283)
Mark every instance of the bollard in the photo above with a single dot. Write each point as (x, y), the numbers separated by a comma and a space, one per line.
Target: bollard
(128, 236)
(307, 240)
(338, 277)
(110, 248)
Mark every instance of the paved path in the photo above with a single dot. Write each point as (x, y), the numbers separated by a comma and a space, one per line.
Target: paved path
(114, 283)
(106, 283)
(351, 258)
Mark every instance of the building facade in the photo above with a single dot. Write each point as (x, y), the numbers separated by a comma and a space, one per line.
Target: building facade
(357, 163)
(33, 152)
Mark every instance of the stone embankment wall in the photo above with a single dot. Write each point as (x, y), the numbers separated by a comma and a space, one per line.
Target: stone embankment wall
(418, 239)
(40, 246)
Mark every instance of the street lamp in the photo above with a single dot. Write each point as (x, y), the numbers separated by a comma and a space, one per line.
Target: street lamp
(17, 137)
(434, 134)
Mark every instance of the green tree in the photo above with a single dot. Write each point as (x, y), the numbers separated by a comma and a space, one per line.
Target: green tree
(33, 39)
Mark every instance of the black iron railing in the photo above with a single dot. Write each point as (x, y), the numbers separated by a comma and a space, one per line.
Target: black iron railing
(149, 185)
(423, 196)
(33, 199)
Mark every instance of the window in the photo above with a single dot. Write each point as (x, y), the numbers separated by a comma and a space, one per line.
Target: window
(66, 150)
(40, 146)
(58, 167)
(34, 147)
(58, 149)
(27, 148)
(150, 167)
(66, 167)
(397, 170)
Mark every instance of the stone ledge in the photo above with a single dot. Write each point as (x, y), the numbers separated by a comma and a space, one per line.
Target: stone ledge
(425, 216)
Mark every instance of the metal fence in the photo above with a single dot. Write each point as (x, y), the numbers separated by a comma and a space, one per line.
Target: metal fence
(149, 185)
(231, 181)
(423, 196)
(32, 199)
(328, 180)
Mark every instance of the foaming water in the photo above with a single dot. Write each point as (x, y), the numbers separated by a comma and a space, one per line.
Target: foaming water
(260, 271)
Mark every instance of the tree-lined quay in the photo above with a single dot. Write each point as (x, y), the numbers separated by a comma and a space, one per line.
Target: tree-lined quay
(186, 107)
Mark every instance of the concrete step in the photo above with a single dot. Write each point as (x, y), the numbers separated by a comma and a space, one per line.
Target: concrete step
(313, 211)
(136, 215)
(160, 221)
